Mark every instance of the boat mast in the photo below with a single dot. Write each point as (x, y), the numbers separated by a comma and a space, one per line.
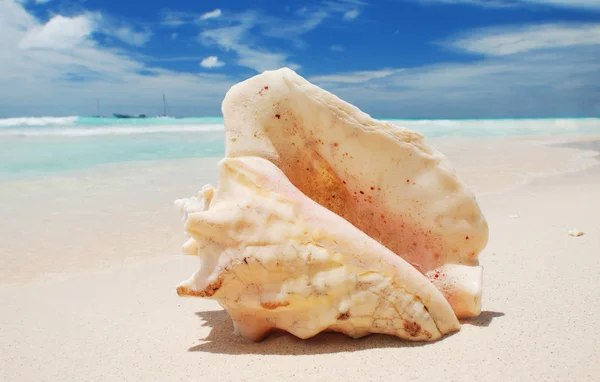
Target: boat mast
(164, 106)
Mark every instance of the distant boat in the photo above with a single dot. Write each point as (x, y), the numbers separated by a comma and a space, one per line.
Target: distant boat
(164, 114)
(129, 116)
(97, 110)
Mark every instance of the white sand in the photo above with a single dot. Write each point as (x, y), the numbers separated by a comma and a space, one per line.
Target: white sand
(89, 262)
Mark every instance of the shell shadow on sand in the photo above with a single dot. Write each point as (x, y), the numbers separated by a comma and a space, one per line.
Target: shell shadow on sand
(221, 339)
(484, 319)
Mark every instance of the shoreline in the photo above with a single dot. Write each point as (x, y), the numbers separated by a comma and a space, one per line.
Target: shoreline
(86, 203)
(47, 117)
(188, 151)
(586, 144)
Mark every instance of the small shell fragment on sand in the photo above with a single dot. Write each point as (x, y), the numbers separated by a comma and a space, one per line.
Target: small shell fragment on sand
(576, 233)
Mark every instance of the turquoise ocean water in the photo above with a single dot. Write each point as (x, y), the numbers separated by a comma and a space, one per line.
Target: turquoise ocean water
(31, 147)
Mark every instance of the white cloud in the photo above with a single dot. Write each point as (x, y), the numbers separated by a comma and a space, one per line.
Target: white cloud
(342, 6)
(354, 77)
(528, 71)
(558, 82)
(352, 14)
(42, 1)
(227, 38)
(261, 60)
(582, 4)
(236, 38)
(480, 3)
(129, 36)
(211, 62)
(242, 33)
(59, 33)
(336, 48)
(57, 68)
(175, 58)
(305, 20)
(174, 18)
(113, 27)
(211, 15)
(511, 40)
(62, 32)
(591, 4)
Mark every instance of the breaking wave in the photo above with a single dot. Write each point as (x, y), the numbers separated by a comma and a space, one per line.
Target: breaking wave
(109, 130)
(37, 121)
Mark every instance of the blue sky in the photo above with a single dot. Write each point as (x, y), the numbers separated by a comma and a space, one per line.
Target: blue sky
(392, 58)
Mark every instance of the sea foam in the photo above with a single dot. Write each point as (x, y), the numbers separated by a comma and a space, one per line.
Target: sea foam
(108, 130)
(37, 121)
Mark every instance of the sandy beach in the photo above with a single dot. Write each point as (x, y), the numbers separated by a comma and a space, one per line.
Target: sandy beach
(89, 262)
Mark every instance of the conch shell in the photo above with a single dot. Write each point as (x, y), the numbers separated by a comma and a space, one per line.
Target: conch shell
(379, 186)
(275, 259)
